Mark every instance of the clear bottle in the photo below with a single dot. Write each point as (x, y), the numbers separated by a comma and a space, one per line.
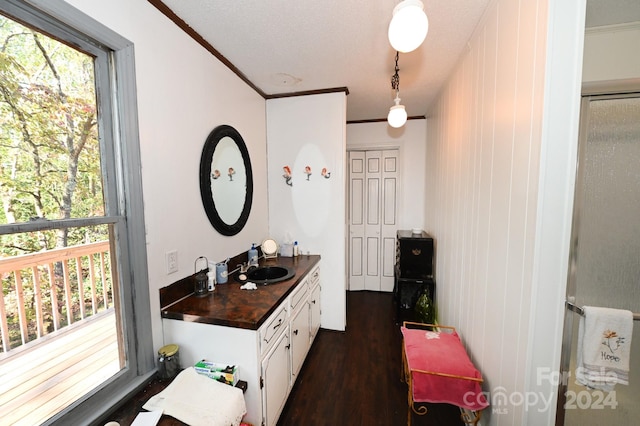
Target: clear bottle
(253, 255)
(211, 280)
(296, 249)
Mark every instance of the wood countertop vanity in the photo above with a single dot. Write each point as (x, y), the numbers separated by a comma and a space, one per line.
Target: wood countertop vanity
(228, 305)
(266, 332)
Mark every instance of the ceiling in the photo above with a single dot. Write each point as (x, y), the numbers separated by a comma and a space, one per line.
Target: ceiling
(291, 46)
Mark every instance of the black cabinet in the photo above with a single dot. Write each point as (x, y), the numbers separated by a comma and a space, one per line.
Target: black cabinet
(413, 273)
(408, 291)
(414, 254)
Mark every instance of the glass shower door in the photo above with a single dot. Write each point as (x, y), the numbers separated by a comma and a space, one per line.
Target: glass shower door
(605, 259)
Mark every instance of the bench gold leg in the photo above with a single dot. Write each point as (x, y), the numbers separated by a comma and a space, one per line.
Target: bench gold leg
(467, 419)
(421, 411)
(406, 377)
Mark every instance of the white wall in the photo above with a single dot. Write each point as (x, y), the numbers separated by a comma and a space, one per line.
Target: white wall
(556, 183)
(500, 169)
(183, 93)
(611, 52)
(410, 140)
(310, 131)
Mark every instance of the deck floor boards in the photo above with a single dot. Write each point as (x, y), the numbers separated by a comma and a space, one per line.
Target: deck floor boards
(44, 378)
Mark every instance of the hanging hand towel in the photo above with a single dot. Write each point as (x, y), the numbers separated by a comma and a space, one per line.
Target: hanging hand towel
(604, 343)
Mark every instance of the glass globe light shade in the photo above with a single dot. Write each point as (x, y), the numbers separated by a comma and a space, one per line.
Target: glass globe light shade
(409, 26)
(397, 116)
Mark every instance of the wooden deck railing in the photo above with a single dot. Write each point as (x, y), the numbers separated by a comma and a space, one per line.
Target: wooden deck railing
(46, 291)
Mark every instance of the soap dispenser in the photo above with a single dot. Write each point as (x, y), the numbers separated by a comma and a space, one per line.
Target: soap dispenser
(253, 255)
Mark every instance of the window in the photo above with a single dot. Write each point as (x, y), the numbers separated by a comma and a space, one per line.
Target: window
(72, 234)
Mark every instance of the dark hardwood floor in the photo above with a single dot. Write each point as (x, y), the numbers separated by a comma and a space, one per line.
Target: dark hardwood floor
(353, 377)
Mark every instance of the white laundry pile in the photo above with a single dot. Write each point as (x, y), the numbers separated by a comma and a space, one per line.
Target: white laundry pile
(200, 401)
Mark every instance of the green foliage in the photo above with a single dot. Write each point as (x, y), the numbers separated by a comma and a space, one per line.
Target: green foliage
(49, 162)
(45, 285)
(49, 147)
(425, 310)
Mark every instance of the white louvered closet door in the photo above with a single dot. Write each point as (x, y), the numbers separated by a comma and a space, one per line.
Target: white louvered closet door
(373, 188)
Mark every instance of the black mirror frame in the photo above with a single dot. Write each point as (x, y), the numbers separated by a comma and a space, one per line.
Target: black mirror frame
(208, 202)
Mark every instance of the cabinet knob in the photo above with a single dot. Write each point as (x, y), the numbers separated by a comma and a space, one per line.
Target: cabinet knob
(295, 332)
(288, 346)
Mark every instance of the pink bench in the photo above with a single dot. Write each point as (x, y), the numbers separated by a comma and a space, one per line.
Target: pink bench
(437, 369)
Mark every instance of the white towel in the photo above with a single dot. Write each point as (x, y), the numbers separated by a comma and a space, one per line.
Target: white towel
(200, 401)
(604, 343)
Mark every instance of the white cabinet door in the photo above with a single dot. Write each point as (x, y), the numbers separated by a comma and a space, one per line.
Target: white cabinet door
(299, 339)
(275, 379)
(314, 306)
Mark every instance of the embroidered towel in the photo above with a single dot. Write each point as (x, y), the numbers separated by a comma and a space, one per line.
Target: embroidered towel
(200, 401)
(604, 343)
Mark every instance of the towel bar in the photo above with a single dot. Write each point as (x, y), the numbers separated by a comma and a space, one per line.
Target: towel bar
(580, 311)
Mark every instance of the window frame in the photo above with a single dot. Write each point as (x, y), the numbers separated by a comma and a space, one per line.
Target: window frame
(120, 151)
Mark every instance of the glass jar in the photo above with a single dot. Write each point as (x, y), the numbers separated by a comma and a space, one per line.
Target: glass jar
(168, 361)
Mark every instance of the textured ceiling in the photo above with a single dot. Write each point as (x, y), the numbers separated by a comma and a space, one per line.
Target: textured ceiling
(285, 46)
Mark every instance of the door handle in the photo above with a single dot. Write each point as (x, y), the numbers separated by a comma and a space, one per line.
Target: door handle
(278, 324)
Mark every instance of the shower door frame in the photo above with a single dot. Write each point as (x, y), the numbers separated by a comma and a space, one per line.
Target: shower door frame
(617, 89)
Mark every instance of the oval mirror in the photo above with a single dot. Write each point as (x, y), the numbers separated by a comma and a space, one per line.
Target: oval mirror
(226, 180)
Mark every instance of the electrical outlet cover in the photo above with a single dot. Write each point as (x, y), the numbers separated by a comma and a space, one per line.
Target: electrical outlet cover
(172, 261)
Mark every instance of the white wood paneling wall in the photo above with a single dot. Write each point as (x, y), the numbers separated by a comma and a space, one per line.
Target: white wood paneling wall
(483, 151)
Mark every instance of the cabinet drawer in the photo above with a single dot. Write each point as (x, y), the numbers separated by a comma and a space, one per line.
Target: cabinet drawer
(314, 277)
(299, 294)
(272, 328)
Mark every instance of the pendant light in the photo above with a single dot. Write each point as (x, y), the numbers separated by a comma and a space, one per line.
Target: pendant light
(409, 26)
(397, 114)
